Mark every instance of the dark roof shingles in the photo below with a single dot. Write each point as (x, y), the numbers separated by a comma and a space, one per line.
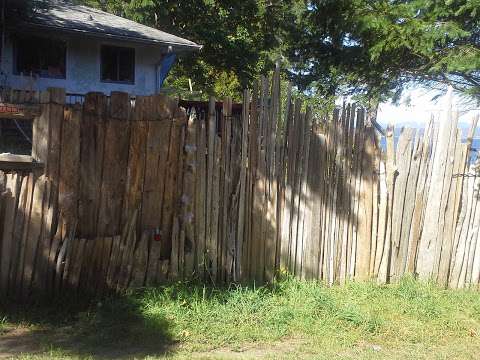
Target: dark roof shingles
(79, 18)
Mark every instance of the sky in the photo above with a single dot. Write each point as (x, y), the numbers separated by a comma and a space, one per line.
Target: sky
(417, 106)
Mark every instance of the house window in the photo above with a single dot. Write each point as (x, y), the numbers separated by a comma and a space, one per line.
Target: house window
(118, 64)
(40, 56)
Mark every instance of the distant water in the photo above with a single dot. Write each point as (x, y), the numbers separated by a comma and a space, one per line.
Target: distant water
(420, 129)
(475, 150)
(474, 153)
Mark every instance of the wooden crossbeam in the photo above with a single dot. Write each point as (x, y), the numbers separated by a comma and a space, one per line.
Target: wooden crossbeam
(13, 162)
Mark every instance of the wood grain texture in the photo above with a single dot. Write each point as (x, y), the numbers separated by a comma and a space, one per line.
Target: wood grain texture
(139, 191)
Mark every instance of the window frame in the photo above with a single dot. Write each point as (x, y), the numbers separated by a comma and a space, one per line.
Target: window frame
(132, 82)
(17, 72)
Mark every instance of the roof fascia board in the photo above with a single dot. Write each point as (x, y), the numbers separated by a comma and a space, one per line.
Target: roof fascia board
(96, 34)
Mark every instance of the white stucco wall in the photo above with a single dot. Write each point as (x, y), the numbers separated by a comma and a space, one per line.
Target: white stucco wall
(83, 67)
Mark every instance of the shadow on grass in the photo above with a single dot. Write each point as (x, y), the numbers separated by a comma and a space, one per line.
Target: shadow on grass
(113, 328)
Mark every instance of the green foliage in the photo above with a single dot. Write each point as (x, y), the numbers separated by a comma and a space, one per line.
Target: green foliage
(240, 38)
(15, 9)
(373, 48)
(367, 48)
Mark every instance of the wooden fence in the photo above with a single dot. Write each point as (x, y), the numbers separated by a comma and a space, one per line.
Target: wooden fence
(136, 194)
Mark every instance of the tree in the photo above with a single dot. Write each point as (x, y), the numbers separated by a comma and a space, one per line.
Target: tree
(19, 8)
(239, 38)
(372, 48)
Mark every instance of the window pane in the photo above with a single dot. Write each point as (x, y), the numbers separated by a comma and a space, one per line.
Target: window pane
(118, 64)
(54, 60)
(40, 56)
(127, 65)
(109, 64)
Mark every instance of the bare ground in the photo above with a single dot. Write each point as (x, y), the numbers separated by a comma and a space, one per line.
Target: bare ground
(35, 343)
(22, 341)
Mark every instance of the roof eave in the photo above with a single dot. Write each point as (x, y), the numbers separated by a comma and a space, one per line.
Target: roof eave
(176, 46)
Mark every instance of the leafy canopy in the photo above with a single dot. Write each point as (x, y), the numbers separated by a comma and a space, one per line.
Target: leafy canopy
(239, 38)
(369, 48)
(374, 47)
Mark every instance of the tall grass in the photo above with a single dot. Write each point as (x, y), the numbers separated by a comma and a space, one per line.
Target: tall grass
(187, 317)
(292, 308)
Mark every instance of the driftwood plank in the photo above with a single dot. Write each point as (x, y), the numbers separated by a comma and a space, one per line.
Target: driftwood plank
(157, 152)
(104, 263)
(69, 166)
(296, 251)
(304, 205)
(113, 263)
(375, 204)
(382, 219)
(286, 185)
(444, 241)
(200, 200)
(57, 101)
(243, 175)
(45, 267)
(384, 269)
(158, 142)
(188, 196)
(91, 163)
(140, 261)
(364, 248)
(115, 158)
(77, 264)
(225, 190)
(87, 264)
(420, 198)
(409, 209)
(70, 258)
(136, 162)
(40, 130)
(399, 216)
(211, 131)
(212, 245)
(173, 271)
(35, 228)
(127, 248)
(470, 239)
(259, 196)
(172, 179)
(247, 245)
(430, 240)
(315, 189)
(23, 234)
(9, 200)
(21, 219)
(451, 207)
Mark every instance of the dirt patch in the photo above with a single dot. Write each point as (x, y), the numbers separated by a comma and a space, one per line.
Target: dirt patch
(278, 350)
(17, 341)
(22, 340)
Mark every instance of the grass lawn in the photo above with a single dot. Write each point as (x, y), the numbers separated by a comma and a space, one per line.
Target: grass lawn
(289, 320)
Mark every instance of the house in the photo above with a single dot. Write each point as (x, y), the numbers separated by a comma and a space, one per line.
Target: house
(80, 49)
(83, 49)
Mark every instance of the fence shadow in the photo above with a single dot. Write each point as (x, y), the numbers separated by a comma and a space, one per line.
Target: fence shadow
(112, 328)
